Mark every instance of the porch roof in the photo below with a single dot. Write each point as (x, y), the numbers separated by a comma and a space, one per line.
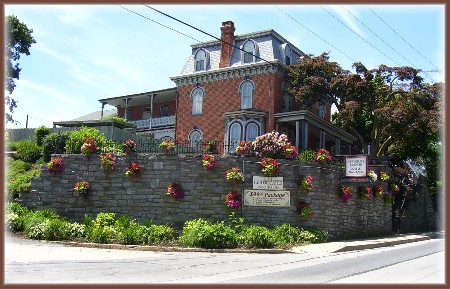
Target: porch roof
(317, 121)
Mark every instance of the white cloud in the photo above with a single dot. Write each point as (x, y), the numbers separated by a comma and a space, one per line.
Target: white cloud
(348, 19)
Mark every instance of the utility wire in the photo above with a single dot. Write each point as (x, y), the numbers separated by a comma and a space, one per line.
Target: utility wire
(315, 34)
(384, 41)
(404, 39)
(359, 36)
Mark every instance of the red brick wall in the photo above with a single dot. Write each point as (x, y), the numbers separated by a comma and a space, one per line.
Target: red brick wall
(223, 96)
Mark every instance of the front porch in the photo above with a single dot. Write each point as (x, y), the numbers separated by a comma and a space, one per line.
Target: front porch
(309, 131)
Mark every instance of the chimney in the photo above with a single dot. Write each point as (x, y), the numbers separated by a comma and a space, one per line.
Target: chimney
(225, 48)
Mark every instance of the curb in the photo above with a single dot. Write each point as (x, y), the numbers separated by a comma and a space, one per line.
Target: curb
(353, 245)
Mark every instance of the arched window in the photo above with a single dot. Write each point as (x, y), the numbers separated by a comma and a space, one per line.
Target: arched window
(195, 137)
(197, 100)
(252, 132)
(246, 90)
(250, 50)
(201, 60)
(234, 135)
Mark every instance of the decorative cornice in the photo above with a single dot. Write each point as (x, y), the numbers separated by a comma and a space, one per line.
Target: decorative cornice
(244, 115)
(229, 73)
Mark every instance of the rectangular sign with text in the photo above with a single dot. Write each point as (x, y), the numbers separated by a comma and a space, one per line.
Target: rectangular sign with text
(263, 198)
(268, 183)
(356, 166)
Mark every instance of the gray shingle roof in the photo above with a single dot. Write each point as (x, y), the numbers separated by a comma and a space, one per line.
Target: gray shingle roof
(269, 43)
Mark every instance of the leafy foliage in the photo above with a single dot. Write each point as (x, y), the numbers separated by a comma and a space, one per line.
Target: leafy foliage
(77, 138)
(18, 177)
(18, 40)
(256, 237)
(54, 143)
(202, 233)
(40, 133)
(27, 151)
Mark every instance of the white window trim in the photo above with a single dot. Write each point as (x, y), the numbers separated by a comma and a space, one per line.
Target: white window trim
(242, 95)
(192, 132)
(255, 51)
(192, 99)
(206, 59)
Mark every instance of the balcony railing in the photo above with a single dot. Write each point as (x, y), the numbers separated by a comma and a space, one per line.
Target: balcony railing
(156, 122)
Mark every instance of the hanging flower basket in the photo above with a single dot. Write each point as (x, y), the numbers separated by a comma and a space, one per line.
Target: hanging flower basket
(168, 147)
(346, 193)
(89, 146)
(365, 193)
(304, 209)
(323, 157)
(108, 162)
(211, 147)
(305, 183)
(209, 162)
(129, 147)
(244, 148)
(233, 200)
(55, 166)
(235, 176)
(134, 170)
(378, 192)
(384, 176)
(388, 198)
(372, 175)
(83, 188)
(174, 190)
(270, 167)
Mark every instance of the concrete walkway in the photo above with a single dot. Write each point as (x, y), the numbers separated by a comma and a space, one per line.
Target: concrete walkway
(369, 243)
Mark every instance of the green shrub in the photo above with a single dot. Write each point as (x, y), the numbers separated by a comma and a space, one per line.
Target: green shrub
(127, 230)
(19, 182)
(204, 234)
(286, 235)
(156, 234)
(27, 151)
(14, 222)
(17, 208)
(101, 230)
(313, 236)
(76, 139)
(256, 237)
(40, 133)
(307, 156)
(54, 143)
(16, 166)
(76, 230)
(116, 118)
(45, 225)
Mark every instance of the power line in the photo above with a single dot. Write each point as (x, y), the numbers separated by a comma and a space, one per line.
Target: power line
(315, 34)
(360, 36)
(403, 38)
(383, 40)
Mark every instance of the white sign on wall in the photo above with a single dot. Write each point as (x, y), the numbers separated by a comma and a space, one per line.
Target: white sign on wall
(356, 166)
(263, 198)
(267, 183)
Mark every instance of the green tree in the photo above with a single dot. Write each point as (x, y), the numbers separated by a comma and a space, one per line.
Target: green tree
(18, 40)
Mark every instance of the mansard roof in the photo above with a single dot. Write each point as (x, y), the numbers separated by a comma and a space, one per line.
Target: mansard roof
(270, 49)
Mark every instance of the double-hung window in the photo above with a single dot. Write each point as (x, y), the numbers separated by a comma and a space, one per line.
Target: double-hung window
(197, 100)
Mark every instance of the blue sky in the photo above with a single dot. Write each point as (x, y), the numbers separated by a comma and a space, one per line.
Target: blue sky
(89, 52)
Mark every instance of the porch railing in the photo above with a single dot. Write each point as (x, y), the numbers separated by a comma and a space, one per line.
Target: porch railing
(155, 122)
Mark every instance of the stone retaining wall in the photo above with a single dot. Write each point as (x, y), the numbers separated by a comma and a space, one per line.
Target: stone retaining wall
(145, 197)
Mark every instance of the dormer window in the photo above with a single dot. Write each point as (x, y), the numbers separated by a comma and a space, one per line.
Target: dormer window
(321, 110)
(201, 60)
(287, 53)
(250, 51)
(246, 90)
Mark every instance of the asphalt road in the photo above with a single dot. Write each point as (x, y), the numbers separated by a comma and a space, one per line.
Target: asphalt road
(33, 262)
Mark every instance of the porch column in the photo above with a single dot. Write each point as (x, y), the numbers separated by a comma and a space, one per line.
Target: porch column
(322, 139)
(127, 100)
(151, 110)
(103, 107)
(297, 135)
(304, 134)
(337, 146)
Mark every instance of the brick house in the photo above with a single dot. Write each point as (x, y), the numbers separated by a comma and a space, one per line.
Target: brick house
(230, 90)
